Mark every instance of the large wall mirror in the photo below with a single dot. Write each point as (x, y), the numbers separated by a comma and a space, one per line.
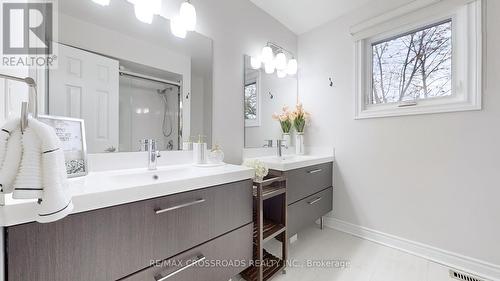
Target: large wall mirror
(264, 95)
(129, 80)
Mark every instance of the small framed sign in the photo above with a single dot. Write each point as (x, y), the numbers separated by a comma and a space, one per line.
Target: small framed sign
(71, 132)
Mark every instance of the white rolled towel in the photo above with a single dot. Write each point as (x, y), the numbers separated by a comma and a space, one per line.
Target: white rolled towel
(5, 132)
(28, 184)
(55, 202)
(10, 154)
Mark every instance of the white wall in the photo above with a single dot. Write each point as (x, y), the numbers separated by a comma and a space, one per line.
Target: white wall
(237, 27)
(430, 178)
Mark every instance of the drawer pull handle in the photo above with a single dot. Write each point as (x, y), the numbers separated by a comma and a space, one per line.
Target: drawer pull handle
(198, 259)
(315, 201)
(314, 171)
(196, 202)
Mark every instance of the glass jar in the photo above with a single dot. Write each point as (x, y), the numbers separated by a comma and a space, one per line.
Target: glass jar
(216, 155)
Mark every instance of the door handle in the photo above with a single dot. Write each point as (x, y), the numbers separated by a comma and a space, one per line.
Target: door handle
(196, 261)
(196, 202)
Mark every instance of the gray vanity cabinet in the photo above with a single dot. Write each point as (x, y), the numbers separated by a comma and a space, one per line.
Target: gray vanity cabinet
(304, 182)
(308, 210)
(113, 243)
(309, 195)
(212, 261)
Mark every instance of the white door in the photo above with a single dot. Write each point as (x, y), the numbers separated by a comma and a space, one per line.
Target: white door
(86, 86)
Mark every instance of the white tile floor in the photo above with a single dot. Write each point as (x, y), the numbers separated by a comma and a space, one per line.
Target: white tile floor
(368, 261)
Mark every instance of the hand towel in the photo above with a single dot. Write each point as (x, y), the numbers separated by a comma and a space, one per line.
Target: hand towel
(10, 154)
(28, 183)
(55, 200)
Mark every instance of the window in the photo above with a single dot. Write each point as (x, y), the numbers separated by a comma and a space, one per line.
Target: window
(251, 101)
(413, 66)
(428, 66)
(252, 98)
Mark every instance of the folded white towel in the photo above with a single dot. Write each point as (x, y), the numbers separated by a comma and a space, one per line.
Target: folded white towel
(10, 154)
(28, 184)
(55, 203)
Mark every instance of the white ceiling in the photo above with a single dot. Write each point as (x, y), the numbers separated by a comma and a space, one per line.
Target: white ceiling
(304, 15)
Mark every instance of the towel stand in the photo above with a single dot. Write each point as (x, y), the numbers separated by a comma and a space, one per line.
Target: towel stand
(31, 105)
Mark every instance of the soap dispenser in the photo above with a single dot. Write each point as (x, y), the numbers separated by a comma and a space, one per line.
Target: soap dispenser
(200, 151)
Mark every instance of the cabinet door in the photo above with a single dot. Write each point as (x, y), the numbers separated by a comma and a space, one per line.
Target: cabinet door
(111, 243)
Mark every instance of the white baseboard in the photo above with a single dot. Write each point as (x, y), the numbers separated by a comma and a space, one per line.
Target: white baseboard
(453, 260)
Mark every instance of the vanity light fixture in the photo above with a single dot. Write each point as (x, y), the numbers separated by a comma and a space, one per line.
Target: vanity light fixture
(188, 15)
(143, 13)
(267, 54)
(270, 67)
(255, 62)
(292, 67)
(146, 9)
(281, 61)
(185, 21)
(102, 2)
(177, 27)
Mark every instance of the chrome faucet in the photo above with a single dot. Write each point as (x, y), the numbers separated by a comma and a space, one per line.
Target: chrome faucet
(280, 144)
(269, 143)
(153, 153)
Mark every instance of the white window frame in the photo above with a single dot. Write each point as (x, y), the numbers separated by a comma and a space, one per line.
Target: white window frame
(254, 77)
(466, 62)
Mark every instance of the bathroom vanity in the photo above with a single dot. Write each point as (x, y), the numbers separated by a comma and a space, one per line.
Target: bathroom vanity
(309, 187)
(178, 223)
(310, 195)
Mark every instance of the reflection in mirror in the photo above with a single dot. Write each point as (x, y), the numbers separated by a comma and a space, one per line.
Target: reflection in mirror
(129, 80)
(264, 95)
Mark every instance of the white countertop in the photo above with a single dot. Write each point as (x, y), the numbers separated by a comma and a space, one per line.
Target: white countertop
(105, 189)
(291, 162)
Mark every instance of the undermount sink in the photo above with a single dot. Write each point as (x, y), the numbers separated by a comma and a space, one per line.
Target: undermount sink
(153, 176)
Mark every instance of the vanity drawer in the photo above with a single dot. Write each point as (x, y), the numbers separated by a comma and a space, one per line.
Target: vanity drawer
(216, 260)
(306, 181)
(111, 243)
(308, 210)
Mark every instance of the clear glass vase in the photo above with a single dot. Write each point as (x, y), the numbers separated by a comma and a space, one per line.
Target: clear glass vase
(216, 155)
(288, 140)
(299, 144)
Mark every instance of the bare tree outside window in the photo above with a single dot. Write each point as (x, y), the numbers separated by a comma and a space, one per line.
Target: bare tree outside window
(251, 101)
(416, 65)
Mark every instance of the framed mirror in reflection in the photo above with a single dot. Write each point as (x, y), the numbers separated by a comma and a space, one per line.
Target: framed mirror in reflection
(128, 80)
(264, 95)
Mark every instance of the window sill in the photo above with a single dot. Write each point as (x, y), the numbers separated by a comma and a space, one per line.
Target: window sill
(394, 110)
